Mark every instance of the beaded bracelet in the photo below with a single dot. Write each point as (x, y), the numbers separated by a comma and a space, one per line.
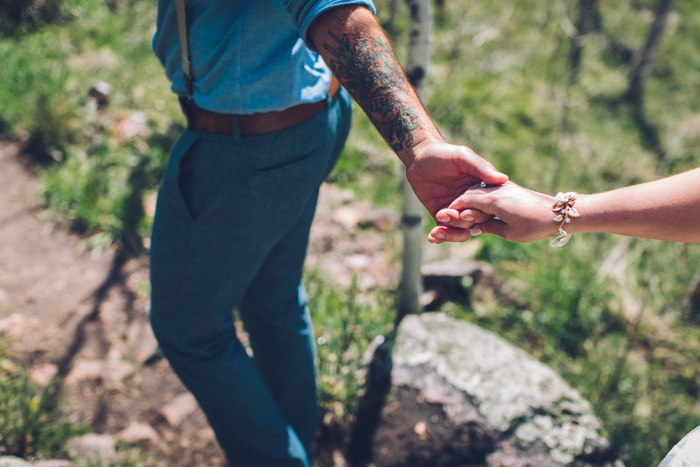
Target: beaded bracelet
(564, 207)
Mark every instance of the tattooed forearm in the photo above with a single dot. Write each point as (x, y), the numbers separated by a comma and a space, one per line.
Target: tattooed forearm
(367, 68)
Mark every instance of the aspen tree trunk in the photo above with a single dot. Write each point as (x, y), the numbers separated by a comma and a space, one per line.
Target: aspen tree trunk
(645, 59)
(641, 68)
(419, 38)
(379, 371)
(586, 11)
(393, 8)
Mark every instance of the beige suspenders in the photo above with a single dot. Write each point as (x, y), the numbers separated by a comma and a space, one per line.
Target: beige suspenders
(184, 46)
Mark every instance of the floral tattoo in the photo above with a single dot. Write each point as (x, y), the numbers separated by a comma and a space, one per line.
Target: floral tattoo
(366, 67)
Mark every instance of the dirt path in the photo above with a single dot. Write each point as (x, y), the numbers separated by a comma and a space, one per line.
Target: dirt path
(82, 315)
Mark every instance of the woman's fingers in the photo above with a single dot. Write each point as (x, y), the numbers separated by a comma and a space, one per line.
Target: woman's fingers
(463, 219)
(442, 234)
(493, 226)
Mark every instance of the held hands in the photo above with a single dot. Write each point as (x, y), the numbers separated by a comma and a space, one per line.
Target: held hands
(447, 180)
(521, 215)
(440, 172)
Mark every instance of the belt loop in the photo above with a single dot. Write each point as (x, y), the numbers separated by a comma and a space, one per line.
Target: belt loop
(236, 128)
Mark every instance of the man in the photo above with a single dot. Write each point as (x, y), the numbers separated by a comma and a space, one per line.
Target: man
(239, 193)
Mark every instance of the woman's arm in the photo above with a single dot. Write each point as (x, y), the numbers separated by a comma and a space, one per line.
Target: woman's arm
(665, 209)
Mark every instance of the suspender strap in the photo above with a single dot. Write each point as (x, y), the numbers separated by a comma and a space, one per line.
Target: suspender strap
(184, 46)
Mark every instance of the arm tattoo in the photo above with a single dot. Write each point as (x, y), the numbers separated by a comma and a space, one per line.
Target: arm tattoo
(366, 67)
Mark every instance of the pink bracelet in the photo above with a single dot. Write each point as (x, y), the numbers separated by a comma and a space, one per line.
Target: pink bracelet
(564, 207)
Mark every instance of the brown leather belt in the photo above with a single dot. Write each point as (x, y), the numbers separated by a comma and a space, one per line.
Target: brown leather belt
(253, 124)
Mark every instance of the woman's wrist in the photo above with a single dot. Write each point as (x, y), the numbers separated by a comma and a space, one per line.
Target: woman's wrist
(591, 218)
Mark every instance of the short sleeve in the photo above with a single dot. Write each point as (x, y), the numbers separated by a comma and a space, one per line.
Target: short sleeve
(303, 12)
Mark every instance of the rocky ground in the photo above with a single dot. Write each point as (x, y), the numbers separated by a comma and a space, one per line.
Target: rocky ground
(81, 314)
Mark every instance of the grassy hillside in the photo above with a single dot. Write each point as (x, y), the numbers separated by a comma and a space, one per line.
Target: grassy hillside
(613, 315)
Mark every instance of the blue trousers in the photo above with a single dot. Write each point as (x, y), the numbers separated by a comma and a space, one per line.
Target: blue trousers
(231, 232)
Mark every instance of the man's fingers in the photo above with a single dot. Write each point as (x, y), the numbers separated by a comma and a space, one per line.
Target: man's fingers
(471, 200)
(483, 169)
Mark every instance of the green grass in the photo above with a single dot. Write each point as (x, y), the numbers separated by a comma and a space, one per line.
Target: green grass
(344, 327)
(94, 174)
(30, 423)
(33, 427)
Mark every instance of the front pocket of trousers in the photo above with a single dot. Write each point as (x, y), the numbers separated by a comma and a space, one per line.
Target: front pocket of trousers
(201, 178)
(209, 173)
(171, 181)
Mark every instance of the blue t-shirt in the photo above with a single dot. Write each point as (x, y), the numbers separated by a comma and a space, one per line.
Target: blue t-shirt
(248, 56)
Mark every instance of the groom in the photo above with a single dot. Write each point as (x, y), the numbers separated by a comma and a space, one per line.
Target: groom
(239, 193)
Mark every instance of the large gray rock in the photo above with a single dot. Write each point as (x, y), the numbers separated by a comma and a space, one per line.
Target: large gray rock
(463, 396)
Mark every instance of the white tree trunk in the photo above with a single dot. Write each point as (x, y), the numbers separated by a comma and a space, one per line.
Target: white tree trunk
(644, 61)
(411, 287)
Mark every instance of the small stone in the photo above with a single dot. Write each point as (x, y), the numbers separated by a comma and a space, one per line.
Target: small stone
(113, 371)
(43, 374)
(139, 432)
(421, 428)
(177, 410)
(17, 325)
(93, 448)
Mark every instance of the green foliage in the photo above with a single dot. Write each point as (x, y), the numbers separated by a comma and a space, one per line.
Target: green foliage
(33, 98)
(344, 326)
(560, 303)
(96, 168)
(99, 188)
(30, 424)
